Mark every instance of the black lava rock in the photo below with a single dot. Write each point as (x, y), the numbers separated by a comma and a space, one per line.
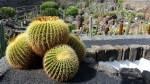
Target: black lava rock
(134, 75)
(146, 76)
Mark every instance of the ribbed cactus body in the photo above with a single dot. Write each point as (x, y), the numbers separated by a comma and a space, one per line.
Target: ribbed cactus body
(50, 12)
(61, 63)
(18, 53)
(77, 45)
(46, 32)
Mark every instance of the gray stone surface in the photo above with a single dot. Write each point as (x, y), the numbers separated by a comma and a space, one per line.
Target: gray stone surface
(146, 52)
(3, 66)
(111, 71)
(116, 40)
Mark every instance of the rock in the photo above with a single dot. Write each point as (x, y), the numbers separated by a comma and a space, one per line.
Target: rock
(126, 51)
(104, 67)
(134, 75)
(100, 53)
(136, 52)
(3, 66)
(112, 53)
(146, 76)
(106, 53)
(91, 52)
(89, 60)
(146, 52)
(119, 48)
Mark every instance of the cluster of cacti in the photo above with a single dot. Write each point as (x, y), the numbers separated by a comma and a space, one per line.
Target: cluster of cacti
(48, 37)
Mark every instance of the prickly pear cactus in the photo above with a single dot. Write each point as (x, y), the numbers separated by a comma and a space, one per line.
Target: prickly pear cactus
(46, 32)
(61, 63)
(18, 53)
(77, 45)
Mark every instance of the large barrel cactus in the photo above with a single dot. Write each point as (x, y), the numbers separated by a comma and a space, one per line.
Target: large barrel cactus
(18, 53)
(61, 63)
(77, 45)
(46, 32)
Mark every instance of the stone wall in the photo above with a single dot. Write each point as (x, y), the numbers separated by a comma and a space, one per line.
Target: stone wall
(119, 52)
(109, 48)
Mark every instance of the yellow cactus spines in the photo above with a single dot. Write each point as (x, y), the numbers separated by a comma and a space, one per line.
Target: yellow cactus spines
(77, 45)
(61, 63)
(18, 53)
(46, 32)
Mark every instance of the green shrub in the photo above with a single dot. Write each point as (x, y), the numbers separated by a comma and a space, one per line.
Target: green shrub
(72, 10)
(49, 4)
(7, 12)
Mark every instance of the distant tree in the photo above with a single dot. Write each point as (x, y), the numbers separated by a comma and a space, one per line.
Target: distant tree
(72, 10)
(7, 12)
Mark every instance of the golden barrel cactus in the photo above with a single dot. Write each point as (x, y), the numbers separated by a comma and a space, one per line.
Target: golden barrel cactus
(18, 53)
(77, 45)
(46, 32)
(61, 63)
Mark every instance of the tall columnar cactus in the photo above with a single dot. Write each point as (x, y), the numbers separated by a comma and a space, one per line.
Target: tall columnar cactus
(61, 63)
(46, 32)
(2, 41)
(18, 53)
(77, 45)
(121, 28)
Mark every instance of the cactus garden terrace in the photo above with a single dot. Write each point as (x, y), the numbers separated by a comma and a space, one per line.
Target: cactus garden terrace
(75, 42)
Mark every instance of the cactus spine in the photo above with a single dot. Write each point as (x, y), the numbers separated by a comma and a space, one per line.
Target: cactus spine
(61, 63)
(77, 45)
(18, 54)
(46, 32)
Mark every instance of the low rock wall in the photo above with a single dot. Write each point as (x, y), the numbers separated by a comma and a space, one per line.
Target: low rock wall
(119, 52)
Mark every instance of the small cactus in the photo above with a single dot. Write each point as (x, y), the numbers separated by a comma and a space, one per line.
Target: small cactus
(77, 45)
(46, 32)
(61, 63)
(18, 54)
(50, 12)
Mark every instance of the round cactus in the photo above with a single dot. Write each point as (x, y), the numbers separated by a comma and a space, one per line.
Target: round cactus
(46, 32)
(61, 63)
(18, 53)
(77, 45)
(50, 12)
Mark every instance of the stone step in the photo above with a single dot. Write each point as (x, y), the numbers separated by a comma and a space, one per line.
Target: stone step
(118, 52)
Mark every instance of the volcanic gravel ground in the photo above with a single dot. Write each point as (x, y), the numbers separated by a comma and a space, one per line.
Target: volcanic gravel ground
(86, 75)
